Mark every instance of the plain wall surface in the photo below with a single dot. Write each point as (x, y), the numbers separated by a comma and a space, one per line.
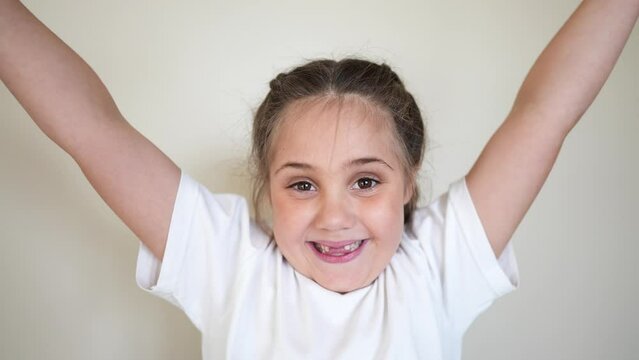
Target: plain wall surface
(188, 75)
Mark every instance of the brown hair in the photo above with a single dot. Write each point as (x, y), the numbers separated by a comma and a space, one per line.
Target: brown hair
(376, 83)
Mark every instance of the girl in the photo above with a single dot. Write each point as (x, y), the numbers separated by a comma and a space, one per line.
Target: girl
(347, 267)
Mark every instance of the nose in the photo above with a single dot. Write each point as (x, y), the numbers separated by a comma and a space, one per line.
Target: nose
(336, 212)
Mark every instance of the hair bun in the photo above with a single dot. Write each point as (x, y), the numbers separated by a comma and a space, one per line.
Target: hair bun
(276, 84)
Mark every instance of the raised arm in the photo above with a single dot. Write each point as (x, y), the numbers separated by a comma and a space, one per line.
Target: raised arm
(70, 104)
(559, 88)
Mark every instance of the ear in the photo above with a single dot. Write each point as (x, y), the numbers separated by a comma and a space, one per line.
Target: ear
(266, 195)
(408, 194)
(409, 189)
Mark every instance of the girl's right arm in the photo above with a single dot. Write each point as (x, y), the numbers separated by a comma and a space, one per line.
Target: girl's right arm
(70, 104)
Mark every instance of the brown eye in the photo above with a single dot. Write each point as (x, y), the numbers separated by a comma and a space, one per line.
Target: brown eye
(302, 186)
(366, 183)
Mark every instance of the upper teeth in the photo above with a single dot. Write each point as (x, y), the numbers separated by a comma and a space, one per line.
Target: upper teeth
(350, 247)
(323, 248)
(353, 246)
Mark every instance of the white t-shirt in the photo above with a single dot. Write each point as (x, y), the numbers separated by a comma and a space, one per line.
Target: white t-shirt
(249, 303)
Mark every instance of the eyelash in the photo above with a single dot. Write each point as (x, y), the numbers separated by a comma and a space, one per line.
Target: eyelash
(296, 186)
(374, 182)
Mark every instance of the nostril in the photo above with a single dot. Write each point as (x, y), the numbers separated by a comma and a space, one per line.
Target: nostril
(336, 214)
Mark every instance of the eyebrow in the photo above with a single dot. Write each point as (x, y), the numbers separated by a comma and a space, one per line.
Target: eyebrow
(354, 162)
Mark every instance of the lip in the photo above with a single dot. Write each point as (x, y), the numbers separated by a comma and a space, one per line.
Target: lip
(335, 244)
(336, 259)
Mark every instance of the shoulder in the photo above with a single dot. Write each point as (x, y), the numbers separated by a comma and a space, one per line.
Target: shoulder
(442, 209)
(214, 214)
(192, 192)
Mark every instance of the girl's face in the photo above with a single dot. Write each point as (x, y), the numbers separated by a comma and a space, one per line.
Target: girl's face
(337, 190)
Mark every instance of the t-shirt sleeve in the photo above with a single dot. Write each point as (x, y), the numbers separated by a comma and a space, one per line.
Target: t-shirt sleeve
(209, 241)
(460, 259)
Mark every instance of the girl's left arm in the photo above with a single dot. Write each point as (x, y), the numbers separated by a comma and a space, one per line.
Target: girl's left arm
(559, 88)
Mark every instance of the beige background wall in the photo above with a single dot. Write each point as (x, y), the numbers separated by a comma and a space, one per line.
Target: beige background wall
(187, 75)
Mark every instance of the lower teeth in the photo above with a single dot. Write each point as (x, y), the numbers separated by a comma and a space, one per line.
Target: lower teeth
(343, 251)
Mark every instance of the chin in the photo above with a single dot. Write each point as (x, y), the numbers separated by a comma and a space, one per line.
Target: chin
(342, 285)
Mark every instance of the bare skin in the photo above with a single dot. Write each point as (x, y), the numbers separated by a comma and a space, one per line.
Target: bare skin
(558, 90)
(70, 104)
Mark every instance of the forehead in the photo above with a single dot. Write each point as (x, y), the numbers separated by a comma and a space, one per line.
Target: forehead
(330, 132)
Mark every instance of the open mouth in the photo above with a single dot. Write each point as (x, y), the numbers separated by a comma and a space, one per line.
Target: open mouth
(344, 252)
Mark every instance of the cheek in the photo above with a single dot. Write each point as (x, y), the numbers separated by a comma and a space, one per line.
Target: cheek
(280, 210)
(386, 215)
(289, 218)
